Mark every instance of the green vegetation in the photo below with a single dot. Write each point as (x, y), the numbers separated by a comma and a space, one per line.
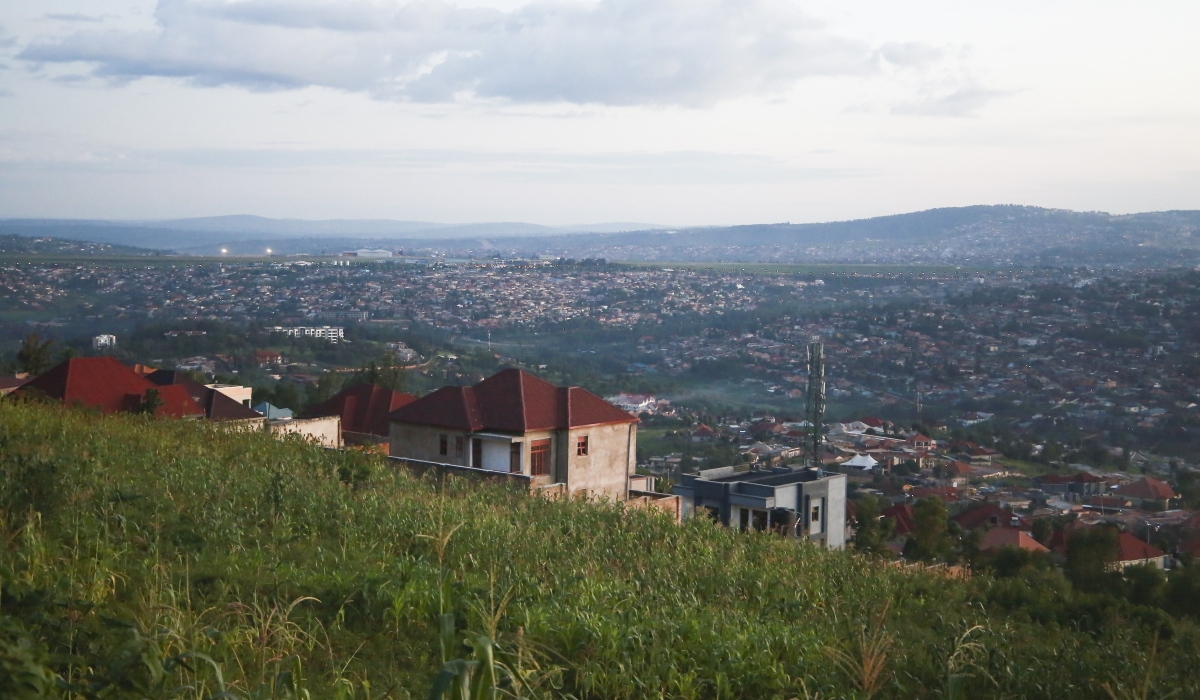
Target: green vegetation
(154, 559)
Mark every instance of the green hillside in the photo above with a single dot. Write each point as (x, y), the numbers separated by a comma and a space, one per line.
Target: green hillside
(161, 559)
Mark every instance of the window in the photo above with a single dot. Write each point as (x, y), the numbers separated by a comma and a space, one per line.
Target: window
(581, 446)
(458, 446)
(816, 514)
(514, 458)
(539, 457)
(442, 445)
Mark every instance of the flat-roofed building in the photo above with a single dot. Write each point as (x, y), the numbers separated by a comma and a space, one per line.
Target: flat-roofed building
(796, 502)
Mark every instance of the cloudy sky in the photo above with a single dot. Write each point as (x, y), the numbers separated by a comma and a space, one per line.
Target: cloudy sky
(572, 111)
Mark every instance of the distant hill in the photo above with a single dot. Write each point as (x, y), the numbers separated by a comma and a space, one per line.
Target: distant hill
(999, 234)
(11, 244)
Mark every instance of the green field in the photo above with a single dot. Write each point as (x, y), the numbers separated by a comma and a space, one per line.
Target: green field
(156, 559)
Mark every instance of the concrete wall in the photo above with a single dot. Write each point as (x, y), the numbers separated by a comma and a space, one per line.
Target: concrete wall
(603, 473)
(611, 460)
(325, 431)
(421, 442)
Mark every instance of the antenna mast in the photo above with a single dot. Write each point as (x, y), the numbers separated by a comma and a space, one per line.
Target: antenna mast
(815, 409)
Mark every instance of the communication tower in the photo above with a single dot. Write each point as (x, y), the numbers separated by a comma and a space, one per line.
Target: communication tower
(815, 409)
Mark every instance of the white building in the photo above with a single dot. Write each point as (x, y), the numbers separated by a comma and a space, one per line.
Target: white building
(330, 333)
(102, 342)
(368, 253)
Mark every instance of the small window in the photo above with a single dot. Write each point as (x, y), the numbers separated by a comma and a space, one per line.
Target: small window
(458, 446)
(443, 445)
(514, 458)
(539, 457)
(816, 514)
(581, 446)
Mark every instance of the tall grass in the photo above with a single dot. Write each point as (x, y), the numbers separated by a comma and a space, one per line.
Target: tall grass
(144, 558)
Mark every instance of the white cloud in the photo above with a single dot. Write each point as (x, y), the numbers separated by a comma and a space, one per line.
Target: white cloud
(615, 52)
(961, 100)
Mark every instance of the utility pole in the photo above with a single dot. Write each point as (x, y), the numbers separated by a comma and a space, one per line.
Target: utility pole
(815, 410)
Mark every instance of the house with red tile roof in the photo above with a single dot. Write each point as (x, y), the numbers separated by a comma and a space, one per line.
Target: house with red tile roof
(106, 385)
(217, 406)
(365, 410)
(902, 515)
(517, 423)
(703, 434)
(990, 515)
(1147, 492)
(1000, 537)
(1132, 551)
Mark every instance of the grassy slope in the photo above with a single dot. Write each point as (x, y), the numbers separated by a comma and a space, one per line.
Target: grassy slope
(257, 554)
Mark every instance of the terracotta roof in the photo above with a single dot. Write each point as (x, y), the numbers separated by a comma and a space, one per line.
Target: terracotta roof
(990, 515)
(364, 408)
(999, 537)
(703, 431)
(902, 514)
(1148, 489)
(1131, 548)
(7, 384)
(216, 406)
(104, 383)
(957, 467)
(511, 401)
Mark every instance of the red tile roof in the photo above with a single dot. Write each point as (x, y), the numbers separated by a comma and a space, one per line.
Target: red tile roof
(8, 384)
(511, 401)
(216, 406)
(1131, 548)
(990, 515)
(999, 537)
(902, 514)
(364, 408)
(1147, 489)
(104, 383)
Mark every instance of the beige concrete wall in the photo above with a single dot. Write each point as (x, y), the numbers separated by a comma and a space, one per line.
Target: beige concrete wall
(325, 431)
(422, 442)
(603, 473)
(611, 460)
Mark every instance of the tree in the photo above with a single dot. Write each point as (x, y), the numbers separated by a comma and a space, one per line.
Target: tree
(385, 373)
(1146, 585)
(871, 533)
(150, 403)
(929, 541)
(1183, 592)
(1089, 553)
(1043, 530)
(35, 355)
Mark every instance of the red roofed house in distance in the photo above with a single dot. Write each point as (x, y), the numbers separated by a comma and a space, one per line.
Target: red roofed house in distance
(515, 422)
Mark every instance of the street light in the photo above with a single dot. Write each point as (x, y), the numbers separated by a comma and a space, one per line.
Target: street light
(268, 251)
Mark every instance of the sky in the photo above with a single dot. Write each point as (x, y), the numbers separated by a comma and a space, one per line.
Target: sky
(671, 112)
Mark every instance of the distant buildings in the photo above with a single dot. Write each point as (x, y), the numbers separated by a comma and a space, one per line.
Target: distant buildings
(373, 253)
(331, 333)
(104, 342)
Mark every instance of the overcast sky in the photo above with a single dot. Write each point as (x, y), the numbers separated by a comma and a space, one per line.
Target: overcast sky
(573, 111)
